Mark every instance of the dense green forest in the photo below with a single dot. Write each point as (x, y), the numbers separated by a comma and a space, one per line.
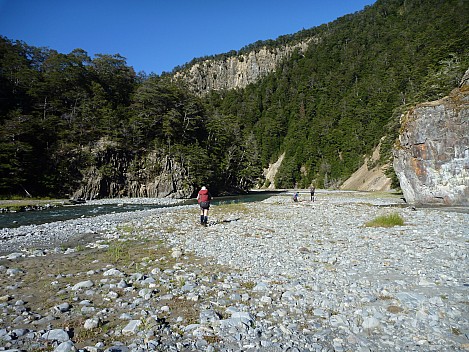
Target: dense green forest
(56, 107)
(324, 108)
(328, 107)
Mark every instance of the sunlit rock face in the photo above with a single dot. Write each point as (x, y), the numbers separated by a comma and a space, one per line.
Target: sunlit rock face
(431, 158)
(237, 71)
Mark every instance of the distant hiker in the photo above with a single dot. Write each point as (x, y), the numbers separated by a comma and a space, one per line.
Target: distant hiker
(312, 190)
(295, 197)
(203, 198)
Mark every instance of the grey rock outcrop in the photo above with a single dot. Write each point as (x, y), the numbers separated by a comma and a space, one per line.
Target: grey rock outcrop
(117, 174)
(237, 71)
(158, 176)
(431, 158)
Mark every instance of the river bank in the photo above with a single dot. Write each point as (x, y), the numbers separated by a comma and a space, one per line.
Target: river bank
(267, 276)
(22, 205)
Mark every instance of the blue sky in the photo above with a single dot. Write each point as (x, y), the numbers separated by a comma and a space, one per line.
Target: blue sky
(157, 35)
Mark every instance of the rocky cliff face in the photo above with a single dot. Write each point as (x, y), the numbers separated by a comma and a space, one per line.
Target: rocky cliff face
(431, 158)
(116, 173)
(236, 71)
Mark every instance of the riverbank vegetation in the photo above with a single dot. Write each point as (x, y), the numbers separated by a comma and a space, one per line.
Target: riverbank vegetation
(325, 108)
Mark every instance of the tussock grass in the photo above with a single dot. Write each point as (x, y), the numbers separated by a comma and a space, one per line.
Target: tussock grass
(389, 220)
(117, 252)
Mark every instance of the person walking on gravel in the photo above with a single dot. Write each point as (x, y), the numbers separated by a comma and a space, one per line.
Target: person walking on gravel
(203, 198)
(312, 190)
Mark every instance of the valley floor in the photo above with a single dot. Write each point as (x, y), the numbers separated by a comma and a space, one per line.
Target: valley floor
(267, 276)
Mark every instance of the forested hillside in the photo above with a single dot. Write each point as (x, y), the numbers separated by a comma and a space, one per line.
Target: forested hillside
(66, 118)
(63, 115)
(329, 107)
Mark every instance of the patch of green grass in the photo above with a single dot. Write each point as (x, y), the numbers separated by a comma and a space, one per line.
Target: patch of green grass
(21, 204)
(232, 208)
(13, 208)
(389, 220)
(118, 251)
(126, 228)
(16, 197)
(80, 248)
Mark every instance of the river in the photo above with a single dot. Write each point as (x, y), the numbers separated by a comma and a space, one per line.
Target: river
(61, 213)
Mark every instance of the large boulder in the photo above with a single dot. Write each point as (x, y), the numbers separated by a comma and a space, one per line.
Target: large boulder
(431, 158)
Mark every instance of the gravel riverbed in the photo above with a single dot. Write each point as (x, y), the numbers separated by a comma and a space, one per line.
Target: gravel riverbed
(267, 276)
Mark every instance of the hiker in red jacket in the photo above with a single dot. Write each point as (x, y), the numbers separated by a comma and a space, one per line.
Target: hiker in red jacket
(203, 198)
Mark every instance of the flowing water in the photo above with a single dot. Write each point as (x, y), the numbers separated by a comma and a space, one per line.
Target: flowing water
(17, 219)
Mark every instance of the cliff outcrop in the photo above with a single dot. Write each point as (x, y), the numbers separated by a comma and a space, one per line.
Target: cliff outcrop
(236, 71)
(116, 173)
(431, 158)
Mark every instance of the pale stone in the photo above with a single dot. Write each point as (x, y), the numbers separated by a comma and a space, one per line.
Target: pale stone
(370, 323)
(92, 323)
(131, 328)
(82, 284)
(56, 335)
